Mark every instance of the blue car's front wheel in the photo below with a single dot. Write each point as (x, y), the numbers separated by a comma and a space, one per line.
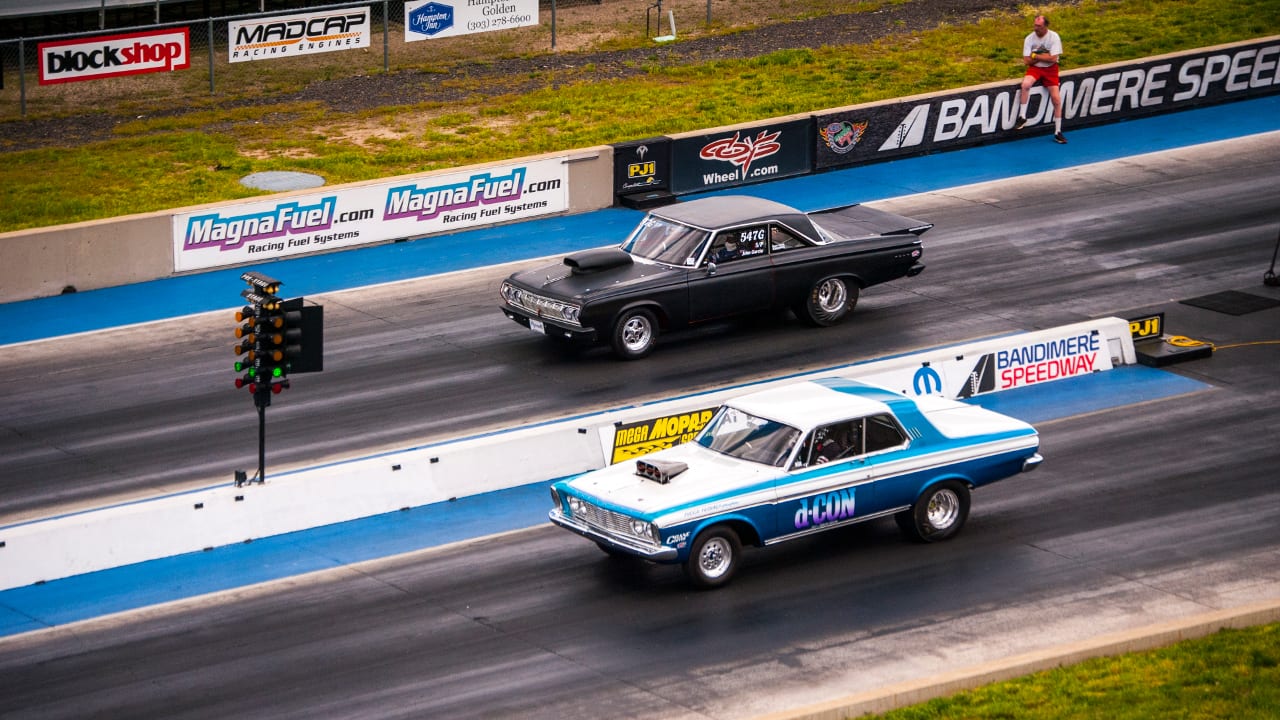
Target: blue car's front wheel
(714, 557)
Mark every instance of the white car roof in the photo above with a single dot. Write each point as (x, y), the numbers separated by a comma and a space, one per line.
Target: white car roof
(807, 404)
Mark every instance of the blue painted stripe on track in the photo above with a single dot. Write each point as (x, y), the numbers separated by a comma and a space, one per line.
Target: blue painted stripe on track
(184, 576)
(189, 294)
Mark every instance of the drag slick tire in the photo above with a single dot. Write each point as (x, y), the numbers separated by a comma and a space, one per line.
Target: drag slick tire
(938, 514)
(828, 302)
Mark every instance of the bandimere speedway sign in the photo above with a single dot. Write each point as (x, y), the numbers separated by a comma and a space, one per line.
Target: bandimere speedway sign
(294, 35)
(108, 56)
(265, 230)
(873, 133)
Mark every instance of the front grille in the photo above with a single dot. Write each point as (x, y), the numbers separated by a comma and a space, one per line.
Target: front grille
(540, 305)
(604, 519)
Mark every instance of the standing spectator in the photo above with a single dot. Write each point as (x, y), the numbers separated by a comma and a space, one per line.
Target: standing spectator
(1040, 52)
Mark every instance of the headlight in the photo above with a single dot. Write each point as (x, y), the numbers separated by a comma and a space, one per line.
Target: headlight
(555, 498)
(575, 505)
(571, 313)
(644, 529)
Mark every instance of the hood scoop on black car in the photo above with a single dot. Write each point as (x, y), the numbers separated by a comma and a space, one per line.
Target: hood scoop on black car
(589, 261)
(659, 471)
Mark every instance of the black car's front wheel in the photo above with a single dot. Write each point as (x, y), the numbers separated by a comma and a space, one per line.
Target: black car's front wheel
(829, 300)
(635, 334)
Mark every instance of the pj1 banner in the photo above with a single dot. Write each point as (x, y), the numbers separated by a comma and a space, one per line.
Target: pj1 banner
(729, 158)
(401, 208)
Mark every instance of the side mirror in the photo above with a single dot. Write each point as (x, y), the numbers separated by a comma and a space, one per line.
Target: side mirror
(711, 267)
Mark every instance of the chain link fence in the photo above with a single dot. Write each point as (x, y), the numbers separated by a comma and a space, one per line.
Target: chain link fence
(245, 52)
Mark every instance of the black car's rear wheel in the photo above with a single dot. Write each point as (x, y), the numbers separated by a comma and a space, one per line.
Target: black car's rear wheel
(829, 300)
(635, 334)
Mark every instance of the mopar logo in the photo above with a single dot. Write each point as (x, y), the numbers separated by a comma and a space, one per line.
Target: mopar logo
(431, 19)
(927, 381)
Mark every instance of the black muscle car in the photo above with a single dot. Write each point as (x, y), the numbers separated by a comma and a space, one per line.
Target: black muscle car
(713, 258)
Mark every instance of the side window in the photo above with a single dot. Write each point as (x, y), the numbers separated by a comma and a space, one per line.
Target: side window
(883, 433)
(835, 442)
(781, 239)
(739, 243)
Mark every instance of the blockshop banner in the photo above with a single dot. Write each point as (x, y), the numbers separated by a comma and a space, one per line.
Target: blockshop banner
(913, 127)
(311, 222)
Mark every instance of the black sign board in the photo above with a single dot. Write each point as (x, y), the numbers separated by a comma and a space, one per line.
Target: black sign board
(729, 158)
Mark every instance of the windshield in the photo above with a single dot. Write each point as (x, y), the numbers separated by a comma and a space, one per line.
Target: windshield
(742, 435)
(666, 241)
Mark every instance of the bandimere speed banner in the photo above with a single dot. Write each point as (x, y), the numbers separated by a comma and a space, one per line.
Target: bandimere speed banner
(447, 18)
(294, 35)
(872, 133)
(114, 55)
(303, 223)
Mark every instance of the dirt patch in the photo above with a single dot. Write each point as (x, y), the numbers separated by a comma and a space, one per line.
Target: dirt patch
(740, 29)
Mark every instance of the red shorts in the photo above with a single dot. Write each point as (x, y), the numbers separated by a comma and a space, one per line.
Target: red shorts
(1047, 76)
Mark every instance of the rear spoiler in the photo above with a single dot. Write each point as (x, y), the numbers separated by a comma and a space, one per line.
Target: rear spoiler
(853, 221)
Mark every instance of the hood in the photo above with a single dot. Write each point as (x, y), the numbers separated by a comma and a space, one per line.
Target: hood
(587, 274)
(709, 474)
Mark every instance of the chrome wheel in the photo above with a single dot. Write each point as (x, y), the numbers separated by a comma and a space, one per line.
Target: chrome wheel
(635, 334)
(937, 514)
(831, 297)
(715, 559)
(944, 508)
(828, 302)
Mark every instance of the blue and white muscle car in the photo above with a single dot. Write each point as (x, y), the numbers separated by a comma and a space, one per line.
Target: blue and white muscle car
(795, 460)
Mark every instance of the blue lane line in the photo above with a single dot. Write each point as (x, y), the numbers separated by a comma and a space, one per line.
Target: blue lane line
(175, 297)
(157, 581)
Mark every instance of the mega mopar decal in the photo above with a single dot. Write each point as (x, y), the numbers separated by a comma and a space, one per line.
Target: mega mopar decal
(293, 35)
(114, 55)
(437, 19)
(646, 436)
(269, 229)
(894, 129)
(738, 157)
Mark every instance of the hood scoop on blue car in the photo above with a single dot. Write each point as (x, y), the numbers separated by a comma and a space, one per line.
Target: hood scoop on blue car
(589, 261)
(660, 471)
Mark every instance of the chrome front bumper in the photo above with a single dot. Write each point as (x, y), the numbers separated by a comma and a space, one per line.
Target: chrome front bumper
(1032, 462)
(659, 553)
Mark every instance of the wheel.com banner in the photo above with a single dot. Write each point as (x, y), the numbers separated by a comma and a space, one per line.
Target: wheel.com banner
(108, 56)
(312, 222)
(1117, 92)
(738, 157)
(294, 35)
(447, 18)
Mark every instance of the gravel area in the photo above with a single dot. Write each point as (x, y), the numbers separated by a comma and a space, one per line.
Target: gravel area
(530, 72)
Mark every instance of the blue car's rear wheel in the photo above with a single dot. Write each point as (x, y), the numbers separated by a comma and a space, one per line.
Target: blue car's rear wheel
(938, 513)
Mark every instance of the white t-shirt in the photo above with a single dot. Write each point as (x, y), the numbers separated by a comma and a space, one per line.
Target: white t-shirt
(1050, 43)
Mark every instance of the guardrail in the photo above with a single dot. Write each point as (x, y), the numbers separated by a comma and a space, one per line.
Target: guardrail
(77, 543)
(138, 248)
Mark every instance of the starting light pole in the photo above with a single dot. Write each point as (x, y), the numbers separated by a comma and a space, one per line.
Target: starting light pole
(276, 337)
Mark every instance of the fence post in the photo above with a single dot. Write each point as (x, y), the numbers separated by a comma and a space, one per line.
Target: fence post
(386, 37)
(22, 76)
(553, 24)
(211, 88)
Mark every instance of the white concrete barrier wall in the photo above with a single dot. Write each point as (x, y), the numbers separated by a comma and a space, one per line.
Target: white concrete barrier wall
(109, 537)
